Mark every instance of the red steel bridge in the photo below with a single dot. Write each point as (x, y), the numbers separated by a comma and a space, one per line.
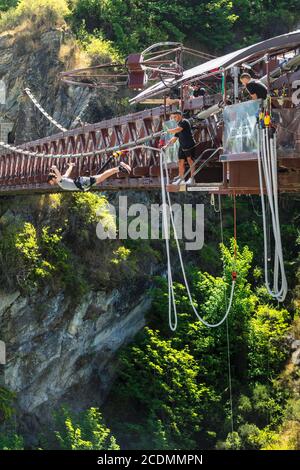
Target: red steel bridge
(234, 171)
(92, 145)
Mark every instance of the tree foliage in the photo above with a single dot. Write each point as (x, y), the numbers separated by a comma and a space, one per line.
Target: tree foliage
(174, 392)
(118, 27)
(260, 19)
(213, 25)
(11, 441)
(267, 351)
(6, 404)
(7, 4)
(209, 22)
(83, 431)
(164, 385)
(40, 13)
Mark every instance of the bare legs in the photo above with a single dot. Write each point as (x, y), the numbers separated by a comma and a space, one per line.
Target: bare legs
(106, 174)
(181, 167)
(192, 168)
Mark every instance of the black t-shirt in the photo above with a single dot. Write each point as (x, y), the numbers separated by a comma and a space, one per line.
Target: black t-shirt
(255, 86)
(198, 92)
(186, 138)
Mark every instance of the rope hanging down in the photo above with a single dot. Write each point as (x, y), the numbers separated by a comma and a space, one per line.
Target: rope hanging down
(227, 327)
(172, 303)
(43, 111)
(267, 167)
(171, 293)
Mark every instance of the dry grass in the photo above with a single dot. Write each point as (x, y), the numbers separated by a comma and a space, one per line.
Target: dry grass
(72, 56)
(289, 437)
(25, 38)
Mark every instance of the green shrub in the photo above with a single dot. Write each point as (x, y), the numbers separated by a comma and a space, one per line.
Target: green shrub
(133, 25)
(96, 46)
(7, 4)
(121, 254)
(88, 208)
(233, 442)
(11, 441)
(6, 404)
(99, 49)
(42, 13)
(161, 395)
(42, 258)
(84, 431)
(267, 329)
(36, 254)
(10, 266)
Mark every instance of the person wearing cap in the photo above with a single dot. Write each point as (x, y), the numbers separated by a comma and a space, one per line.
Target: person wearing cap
(82, 183)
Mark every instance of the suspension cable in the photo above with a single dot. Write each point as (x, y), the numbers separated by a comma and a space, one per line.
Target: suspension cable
(83, 154)
(43, 111)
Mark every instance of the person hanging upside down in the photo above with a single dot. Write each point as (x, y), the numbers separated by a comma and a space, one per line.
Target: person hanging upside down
(82, 183)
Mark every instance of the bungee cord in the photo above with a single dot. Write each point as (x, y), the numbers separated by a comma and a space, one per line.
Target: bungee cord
(166, 201)
(267, 168)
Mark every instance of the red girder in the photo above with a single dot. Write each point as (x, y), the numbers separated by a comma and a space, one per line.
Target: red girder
(19, 172)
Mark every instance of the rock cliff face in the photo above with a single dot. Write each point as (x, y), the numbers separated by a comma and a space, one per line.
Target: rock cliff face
(61, 350)
(58, 353)
(34, 59)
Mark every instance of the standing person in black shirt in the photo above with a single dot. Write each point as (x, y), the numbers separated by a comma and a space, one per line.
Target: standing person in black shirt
(198, 90)
(256, 88)
(183, 132)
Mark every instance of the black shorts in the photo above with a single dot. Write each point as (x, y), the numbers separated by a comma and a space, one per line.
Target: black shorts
(84, 183)
(183, 154)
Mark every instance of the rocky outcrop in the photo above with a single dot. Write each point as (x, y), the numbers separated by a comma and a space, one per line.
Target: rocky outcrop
(54, 348)
(61, 349)
(56, 351)
(296, 352)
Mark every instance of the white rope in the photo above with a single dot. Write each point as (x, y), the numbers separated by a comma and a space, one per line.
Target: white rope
(166, 196)
(43, 111)
(172, 313)
(166, 232)
(267, 167)
(212, 203)
(78, 117)
(171, 293)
